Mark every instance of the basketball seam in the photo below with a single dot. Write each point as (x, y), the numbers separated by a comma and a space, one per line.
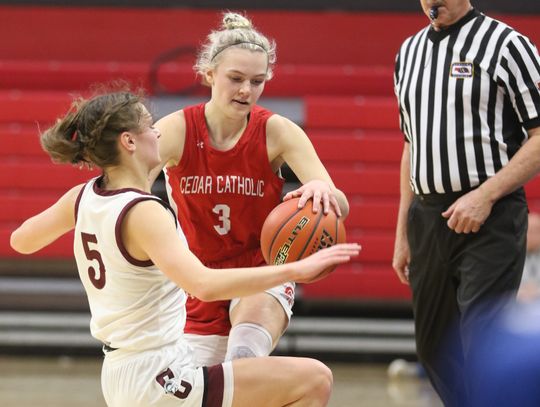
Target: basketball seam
(337, 229)
(311, 235)
(276, 233)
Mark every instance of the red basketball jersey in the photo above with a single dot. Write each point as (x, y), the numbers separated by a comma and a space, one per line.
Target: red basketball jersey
(222, 199)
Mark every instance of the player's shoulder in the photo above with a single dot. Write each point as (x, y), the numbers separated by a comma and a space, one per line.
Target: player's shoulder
(73, 195)
(280, 129)
(150, 203)
(172, 120)
(75, 191)
(148, 211)
(277, 122)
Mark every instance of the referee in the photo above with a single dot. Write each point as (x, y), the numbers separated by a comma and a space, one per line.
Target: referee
(468, 90)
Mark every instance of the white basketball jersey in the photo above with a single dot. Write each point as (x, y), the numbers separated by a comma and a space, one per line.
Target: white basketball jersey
(133, 304)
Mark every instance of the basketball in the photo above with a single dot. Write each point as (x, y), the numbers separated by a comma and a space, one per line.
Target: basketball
(289, 234)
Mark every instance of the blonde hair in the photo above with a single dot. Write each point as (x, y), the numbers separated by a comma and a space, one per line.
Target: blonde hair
(236, 31)
(88, 133)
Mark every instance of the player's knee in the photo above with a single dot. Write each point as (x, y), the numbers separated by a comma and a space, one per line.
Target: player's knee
(321, 381)
(248, 340)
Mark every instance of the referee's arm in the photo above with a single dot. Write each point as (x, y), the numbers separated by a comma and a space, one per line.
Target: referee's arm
(470, 211)
(401, 258)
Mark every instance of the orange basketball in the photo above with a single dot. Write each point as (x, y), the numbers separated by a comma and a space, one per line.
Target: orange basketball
(289, 234)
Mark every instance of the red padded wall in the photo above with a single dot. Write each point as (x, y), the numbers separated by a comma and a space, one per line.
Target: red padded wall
(141, 34)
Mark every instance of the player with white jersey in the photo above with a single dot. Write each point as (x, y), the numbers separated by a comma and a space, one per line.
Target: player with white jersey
(120, 280)
(115, 283)
(135, 265)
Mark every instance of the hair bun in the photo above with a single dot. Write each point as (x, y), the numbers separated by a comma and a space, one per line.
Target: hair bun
(232, 21)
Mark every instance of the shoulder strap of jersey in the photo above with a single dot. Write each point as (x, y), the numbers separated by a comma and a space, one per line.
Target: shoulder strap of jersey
(120, 220)
(193, 116)
(80, 195)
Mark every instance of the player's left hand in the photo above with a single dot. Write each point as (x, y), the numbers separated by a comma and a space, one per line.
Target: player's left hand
(320, 192)
(468, 213)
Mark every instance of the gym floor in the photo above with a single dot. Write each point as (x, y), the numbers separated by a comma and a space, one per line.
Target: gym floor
(75, 382)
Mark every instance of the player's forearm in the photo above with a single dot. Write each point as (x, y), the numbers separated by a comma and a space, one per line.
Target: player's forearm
(45, 227)
(220, 284)
(35, 234)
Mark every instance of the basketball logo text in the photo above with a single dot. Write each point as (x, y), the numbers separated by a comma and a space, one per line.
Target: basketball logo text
(283, 251)
(325, 240)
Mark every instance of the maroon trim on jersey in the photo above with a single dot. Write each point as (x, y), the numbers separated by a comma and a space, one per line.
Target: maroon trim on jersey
(106, 192)
(214, 386)
(78, 201)
(118, 234)
(120, 220)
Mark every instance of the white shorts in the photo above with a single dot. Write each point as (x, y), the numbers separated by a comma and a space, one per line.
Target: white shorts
(208, 350)
(164, 377)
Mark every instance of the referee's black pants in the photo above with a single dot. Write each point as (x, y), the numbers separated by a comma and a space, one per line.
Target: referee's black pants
(460, 282)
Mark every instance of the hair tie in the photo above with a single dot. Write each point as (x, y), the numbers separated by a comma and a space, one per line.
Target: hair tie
(74, 136)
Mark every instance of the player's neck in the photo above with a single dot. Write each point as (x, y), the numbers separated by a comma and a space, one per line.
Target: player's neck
(223, 131)
(119, 178)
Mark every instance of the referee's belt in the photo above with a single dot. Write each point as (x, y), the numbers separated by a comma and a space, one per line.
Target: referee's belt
(436, 198)
(450, 197)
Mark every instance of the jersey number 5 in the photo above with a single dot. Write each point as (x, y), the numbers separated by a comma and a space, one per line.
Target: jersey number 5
(224, 216)
(91, 254)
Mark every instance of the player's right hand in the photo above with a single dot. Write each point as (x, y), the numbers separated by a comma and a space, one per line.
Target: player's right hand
(323, 262)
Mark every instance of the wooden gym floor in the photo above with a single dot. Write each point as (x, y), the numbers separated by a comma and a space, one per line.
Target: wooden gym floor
(74, 382)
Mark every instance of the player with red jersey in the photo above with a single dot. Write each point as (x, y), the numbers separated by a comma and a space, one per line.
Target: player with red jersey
(222, 199)
(222, 164)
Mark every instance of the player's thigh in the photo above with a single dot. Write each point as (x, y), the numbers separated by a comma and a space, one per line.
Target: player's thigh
(279, 381)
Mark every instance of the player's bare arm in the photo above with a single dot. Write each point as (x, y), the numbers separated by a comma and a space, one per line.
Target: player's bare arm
(287, 142)
(171, 142)
(149, 232)
(471, 210)
(44, 228)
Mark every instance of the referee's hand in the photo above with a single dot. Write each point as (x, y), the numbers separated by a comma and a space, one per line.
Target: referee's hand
(401, 259)
(468, 213)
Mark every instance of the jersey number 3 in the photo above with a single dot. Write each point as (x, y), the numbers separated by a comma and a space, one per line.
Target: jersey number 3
(224, 216)
(98, 279)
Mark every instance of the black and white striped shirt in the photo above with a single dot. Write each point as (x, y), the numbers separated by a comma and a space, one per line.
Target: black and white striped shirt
(467, 96)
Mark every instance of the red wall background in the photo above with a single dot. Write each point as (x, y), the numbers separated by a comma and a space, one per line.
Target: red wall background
(97, 34)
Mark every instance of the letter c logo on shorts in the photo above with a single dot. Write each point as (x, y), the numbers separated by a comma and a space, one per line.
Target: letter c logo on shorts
(171, 386)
